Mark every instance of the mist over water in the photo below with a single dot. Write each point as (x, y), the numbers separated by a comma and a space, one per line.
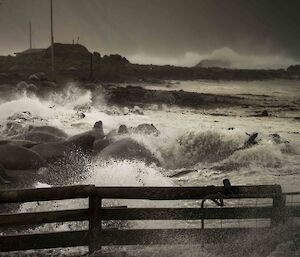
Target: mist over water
(223, 57)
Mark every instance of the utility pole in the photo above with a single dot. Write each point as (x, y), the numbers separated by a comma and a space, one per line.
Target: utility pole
(52, 37)
(91, 67)
(30, 36)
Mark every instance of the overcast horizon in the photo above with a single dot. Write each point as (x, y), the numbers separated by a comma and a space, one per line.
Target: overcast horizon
(251, 34)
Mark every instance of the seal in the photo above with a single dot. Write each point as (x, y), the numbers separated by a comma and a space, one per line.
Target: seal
(53, 151)
(127, 149)
(50, 130)
(19, 158)
(39, 137)
(23, 143)
(97, 132)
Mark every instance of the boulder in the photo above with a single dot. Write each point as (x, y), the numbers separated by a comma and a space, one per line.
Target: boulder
(265, 113)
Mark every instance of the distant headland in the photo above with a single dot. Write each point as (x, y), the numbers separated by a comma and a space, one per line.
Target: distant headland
(75, 62)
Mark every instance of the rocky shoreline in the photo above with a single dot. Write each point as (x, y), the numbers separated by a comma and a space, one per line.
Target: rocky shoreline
(75, 62)
(129, 95)
(136, 95)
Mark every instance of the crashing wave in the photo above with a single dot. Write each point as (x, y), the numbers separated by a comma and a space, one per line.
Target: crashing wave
(194, 147)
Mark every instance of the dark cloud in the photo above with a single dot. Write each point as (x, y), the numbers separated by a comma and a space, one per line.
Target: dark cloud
(158, 28)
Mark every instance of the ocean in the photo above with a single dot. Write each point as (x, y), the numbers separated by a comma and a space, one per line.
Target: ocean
(195, 147)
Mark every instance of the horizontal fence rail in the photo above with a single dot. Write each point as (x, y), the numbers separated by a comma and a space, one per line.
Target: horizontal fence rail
(150, 193)
(96, 236)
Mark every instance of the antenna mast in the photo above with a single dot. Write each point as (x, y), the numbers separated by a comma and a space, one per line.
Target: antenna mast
(52, 37)
(30, 36)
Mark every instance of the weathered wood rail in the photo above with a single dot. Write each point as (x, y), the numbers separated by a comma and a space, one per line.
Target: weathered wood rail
(96, 236)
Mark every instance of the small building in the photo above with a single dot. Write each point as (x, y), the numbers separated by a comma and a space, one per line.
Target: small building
(33, 52)
(68, 51)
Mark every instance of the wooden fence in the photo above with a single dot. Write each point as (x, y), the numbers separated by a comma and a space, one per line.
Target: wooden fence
(97, 236)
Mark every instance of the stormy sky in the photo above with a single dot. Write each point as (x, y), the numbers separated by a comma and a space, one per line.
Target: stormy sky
(181, 32)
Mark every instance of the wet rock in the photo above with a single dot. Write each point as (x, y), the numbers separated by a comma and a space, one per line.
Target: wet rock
(34, 77)
(137, 110)
(157, 96)
(90, 86)
(23, 86)
(13, 128)
(277, 139)
(49, 84)
(32, 88)
(20, 116)
(80, 115)
(265, 113)
(41, 75)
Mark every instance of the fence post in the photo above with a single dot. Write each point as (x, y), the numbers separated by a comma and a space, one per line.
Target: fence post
(95, 203)
(279, 216)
